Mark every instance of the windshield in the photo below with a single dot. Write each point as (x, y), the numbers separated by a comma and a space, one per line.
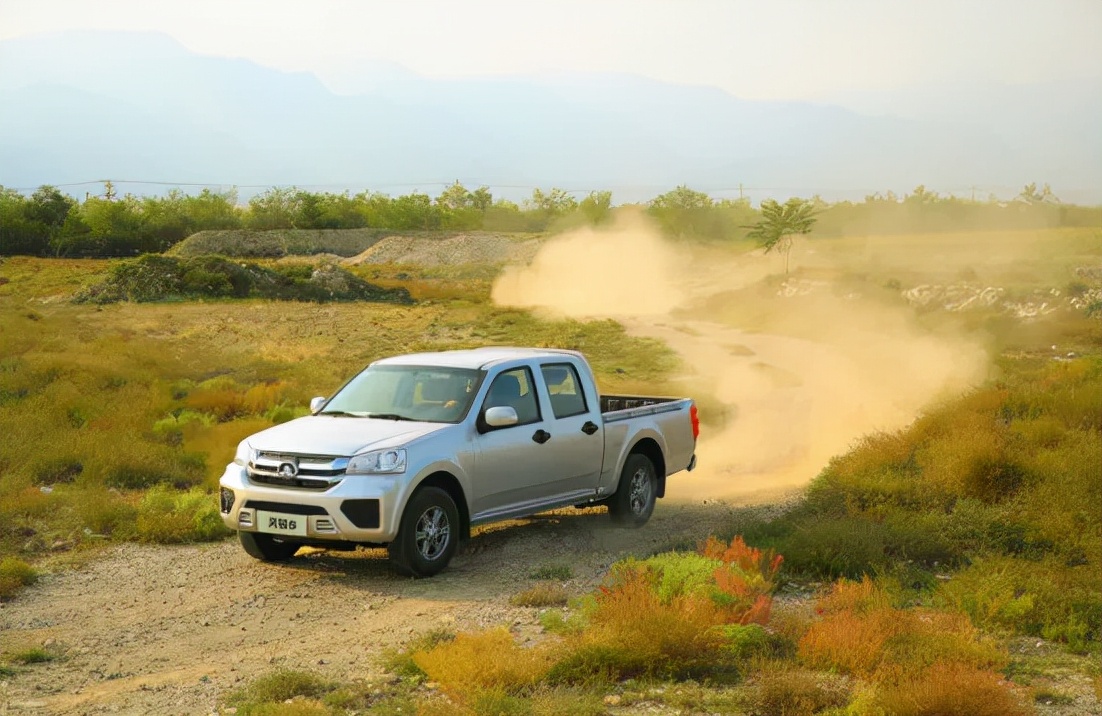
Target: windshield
(406, 392)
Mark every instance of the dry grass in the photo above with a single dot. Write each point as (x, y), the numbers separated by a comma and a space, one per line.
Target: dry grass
(179, 385)
(850, 642)
(786, 690)
(284, 692)
(473, 664)
(950, 689)
(14, 575)
(544, 594)
(676, 639)
(860, 633)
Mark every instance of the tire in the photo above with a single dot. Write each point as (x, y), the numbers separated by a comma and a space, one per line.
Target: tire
(267, 548)
(634, 500)
(428, 534)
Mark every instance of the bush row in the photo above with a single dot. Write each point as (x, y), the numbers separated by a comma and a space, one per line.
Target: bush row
(990, 504)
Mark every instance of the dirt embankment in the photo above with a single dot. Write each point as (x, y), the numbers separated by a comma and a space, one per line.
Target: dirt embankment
(466, 248)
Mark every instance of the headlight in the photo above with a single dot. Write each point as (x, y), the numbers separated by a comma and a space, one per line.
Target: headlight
(377, 462)
(245, 454)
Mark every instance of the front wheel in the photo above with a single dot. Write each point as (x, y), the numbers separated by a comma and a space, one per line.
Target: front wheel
(428, 534)
(267, 548)
(634, 500)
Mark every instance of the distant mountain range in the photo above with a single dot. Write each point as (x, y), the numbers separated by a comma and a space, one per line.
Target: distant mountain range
(81, 106)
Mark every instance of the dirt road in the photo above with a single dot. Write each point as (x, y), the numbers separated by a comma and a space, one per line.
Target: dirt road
(169, 630)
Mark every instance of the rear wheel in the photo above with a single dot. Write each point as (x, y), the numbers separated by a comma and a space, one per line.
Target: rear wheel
(428, 534)
(267, 548)
(634, 500)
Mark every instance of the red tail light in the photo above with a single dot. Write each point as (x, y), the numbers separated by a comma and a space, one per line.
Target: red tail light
(695, 421)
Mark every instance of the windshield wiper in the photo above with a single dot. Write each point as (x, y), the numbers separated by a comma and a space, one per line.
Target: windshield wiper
(389, 416)
(339, 414)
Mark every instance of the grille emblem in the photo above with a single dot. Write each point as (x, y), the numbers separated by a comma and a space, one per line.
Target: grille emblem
(288, 469)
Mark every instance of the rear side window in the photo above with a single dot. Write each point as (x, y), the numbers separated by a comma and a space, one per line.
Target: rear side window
(564, 389)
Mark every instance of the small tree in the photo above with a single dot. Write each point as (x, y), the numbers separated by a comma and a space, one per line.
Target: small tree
(781, 222)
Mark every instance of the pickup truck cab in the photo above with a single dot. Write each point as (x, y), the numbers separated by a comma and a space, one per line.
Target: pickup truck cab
(415, 450)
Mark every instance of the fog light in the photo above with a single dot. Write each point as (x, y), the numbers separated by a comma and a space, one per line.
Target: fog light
(226, 500)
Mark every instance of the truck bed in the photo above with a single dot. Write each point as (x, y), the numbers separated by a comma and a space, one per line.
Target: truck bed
(621, 407)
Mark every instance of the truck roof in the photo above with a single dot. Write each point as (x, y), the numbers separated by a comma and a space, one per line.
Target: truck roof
(474, 357)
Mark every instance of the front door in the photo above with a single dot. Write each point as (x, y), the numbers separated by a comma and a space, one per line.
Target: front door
(517, 467)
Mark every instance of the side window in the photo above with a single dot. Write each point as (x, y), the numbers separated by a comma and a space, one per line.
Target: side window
(565, 389)
(515, 388)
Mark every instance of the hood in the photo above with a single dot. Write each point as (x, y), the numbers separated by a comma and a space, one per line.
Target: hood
(340, 436)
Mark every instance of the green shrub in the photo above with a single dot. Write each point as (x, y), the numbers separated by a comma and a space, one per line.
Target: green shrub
(277, 687)
(135, 477)
(155, 277)
(401, 662)
(853, 546)
(545, 594)
(57, 471)
(14, 575)
(560, 572)
(1034, 597)
(167, 516)
(34, 655)
(104, 512)
(797, 692)
(747, 641)
(598, 663)
(678, 574)
(500, 703)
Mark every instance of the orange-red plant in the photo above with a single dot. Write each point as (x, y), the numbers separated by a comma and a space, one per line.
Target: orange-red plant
(745, 579)
(749, 560)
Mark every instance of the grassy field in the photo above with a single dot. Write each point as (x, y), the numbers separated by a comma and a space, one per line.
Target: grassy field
(122, 416)
(950, 567)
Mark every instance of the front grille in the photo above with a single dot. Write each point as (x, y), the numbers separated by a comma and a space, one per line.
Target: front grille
(307, 472)
(280, 481)
(285, 508)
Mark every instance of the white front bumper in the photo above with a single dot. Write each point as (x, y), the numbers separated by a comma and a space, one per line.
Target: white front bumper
(322, 508)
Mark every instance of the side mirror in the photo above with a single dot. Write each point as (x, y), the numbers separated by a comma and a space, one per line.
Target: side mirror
(501, 416)
(316, 403)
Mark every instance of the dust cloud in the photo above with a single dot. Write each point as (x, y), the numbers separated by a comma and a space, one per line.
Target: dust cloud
(788, 371)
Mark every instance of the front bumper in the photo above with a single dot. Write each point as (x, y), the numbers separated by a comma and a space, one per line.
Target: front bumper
(360, 508)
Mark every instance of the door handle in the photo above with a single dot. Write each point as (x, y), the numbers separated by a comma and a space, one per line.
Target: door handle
(541, 436)
(589, 428)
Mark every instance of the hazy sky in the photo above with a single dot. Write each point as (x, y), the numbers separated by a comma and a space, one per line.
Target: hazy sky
(762, 49)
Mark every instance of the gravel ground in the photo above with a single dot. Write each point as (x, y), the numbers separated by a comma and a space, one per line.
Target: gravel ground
(480, 248)
(169, 630)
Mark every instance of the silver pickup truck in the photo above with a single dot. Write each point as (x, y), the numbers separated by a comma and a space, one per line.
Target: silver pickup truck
(415, 450)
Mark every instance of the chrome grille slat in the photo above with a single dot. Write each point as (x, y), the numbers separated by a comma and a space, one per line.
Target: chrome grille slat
(312, 472)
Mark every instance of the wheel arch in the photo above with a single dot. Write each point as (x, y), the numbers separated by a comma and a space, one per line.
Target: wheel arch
(650, 449)
(449, 483)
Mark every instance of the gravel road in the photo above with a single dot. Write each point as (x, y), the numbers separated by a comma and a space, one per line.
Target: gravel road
(169, 630)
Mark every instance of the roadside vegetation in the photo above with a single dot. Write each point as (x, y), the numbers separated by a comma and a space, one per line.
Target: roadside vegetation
(154, 277)
(51, 223)
(952, 567)
(119, 417)
(949, 568)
